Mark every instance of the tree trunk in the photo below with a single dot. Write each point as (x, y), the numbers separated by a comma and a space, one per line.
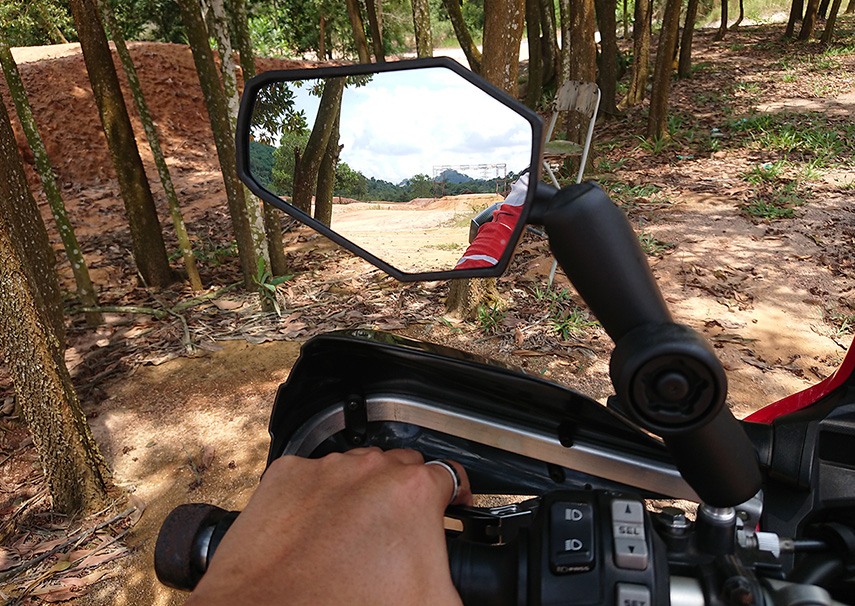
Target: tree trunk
(850, 8)
(582, 66)
(684, 68)
(376, 30)
(625, 20)
(272, 226)
(228, 70)
(797, 10)
(421, 25)
(28, 232)
(321, 37)
(85, 289)
(722, 30)
(75, 472)
(551, 58)
(640, 55)
(464, 38)
(306, 169)
(149, 249)
(326, 176)
(154, 143)
(658, 118)
(809, 22)
(829, 25)
(741, 15)
(358, 31)
(822, 11)
(534, 86)
(606, 10)
(215, 100)
(503, 26)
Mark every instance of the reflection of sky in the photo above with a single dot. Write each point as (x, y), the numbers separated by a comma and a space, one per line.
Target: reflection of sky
(405, 123)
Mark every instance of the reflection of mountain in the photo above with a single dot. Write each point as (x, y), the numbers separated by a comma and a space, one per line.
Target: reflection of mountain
(452, 176)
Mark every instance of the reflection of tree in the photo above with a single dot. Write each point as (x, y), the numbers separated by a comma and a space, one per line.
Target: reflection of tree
(420, 186)
(291, 146)
(274, 113)
(308, 164)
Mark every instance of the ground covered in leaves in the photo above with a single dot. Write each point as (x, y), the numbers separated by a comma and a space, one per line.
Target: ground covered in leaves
(745, 211)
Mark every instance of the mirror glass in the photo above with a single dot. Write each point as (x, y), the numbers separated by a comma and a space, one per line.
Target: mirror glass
(399, 162)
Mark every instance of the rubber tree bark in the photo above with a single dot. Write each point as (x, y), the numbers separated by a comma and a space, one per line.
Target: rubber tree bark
(358, 28)
(828, 32)
(850, 8)
(306, 169)
(658, 117)
(551, 56)
(722, 29)
(154, 143)
(421, 26)
(822, 11)
(146, 235)
(27, 230)
(809, 22)
(503, 27)
(741, 15)
(85, 289)
(215, 101)
(376, 27)
(326, 176)
(641, 55)
(272, 224)
(797, 11)
(684, 66)
(607, 80)
(534, 86)
(464, 37)
(76, 474)
(228, 71)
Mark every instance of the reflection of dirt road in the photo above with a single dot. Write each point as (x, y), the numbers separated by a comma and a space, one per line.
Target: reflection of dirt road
(417, 236)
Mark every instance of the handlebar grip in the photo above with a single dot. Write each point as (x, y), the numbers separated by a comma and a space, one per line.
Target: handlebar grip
(595, 245)
(186, 541)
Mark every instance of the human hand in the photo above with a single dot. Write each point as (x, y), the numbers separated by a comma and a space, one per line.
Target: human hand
(363, 527)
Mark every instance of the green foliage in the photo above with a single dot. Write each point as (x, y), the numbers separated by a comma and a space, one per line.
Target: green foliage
(35, 22)
(652, 245)
(765, 172)
(349, 182)
(570, 322)
(282, 174)
(261, 163)
(490, 318)
(267, 285)
(158, 20)
(779, 203)
(208, 251)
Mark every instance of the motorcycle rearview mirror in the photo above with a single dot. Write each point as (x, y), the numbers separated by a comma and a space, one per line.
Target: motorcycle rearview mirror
(393, 162)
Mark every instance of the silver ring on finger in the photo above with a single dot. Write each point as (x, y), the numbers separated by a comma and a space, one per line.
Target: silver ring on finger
(455, 477)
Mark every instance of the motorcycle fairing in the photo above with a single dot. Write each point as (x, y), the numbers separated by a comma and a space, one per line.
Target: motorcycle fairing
(515, 434)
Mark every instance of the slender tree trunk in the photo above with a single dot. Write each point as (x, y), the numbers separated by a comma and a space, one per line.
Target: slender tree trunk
(741, 14)
(684, 68)
(564, 12)
(376, 30)
(583, 66)
(27, 230)
(625, 20)
(421, 25)
(228, 70)
(641, 55)
(722, 30)
(534, 87)
(307, 167)
(797, 10)
(215, 100)
(850, 8)
(809, 22)
(503, 27)
(85, 289)
(829, 25)
(658, 118)
(272, 225)
(56, 35)
(326, 176)
(464, 38)
(822, 11)
(321, 38)
(606, 10)
(358, 31)
(154, 143)
(149, 249)
(75, 472)
(551, 57)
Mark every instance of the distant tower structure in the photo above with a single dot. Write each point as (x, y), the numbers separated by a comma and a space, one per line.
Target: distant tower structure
(499, 172)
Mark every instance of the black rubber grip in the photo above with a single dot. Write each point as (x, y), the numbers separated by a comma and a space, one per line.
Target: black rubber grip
(599, 252)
